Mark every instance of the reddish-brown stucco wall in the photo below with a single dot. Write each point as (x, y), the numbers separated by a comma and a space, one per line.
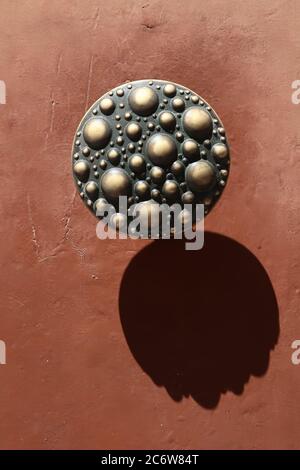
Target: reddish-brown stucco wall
(134, 344)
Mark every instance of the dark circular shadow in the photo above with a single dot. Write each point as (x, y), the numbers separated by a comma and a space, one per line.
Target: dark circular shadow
(199, 323)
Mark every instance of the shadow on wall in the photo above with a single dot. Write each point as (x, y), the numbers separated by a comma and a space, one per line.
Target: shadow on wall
(199, 323)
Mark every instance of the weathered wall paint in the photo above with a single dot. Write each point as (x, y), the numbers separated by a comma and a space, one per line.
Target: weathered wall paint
(84, 369)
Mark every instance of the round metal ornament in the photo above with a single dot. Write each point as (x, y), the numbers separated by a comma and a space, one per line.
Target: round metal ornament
(152, 141)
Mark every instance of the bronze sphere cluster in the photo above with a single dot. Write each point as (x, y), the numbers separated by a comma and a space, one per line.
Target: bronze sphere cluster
(150, 140)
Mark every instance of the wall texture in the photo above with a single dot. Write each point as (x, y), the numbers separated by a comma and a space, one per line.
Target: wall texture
(134, 344)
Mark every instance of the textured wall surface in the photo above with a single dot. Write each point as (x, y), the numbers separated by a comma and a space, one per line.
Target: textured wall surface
(134, 344)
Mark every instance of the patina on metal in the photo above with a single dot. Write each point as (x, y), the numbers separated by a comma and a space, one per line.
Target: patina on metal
(152, 141)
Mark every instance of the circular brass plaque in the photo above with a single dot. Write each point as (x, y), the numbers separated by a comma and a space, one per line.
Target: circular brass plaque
(150, 140)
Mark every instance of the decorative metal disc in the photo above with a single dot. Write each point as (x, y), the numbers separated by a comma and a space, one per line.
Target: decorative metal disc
(150, 140)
